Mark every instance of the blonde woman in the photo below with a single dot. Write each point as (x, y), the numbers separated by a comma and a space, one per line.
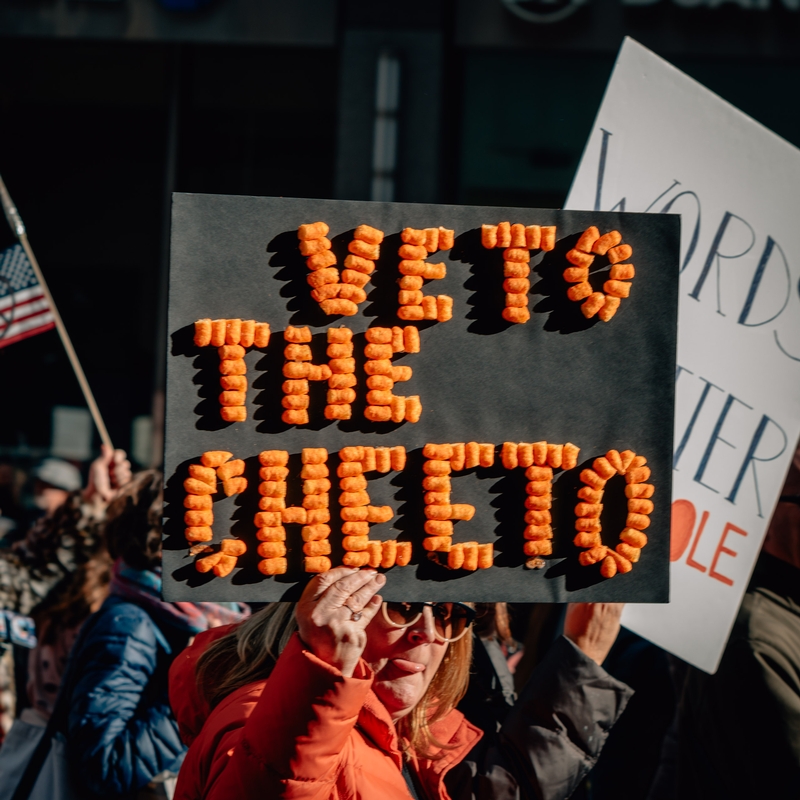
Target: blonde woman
(345, 696)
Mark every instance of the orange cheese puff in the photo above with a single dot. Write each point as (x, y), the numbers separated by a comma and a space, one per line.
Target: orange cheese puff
(539, 473)
(248, 332)
(359, 264)
(321, 260)
(486, 455)
(205, 474)
(637, 521)
(516, 285)
(640, 506)
(569, 456)
(273, 458)
(403, 554)
(360, 248)
(375, 550)
(273, 473)
(462, 511)
(593, 556)
(195, 517)
(233, 331)
(272, 503)
(579, 259)
(533, 237)
(340, 396)
(639, 490)
(378, 413)
(311, 247)
(538, 531)
(433, 512)
(411, 268)
(342, 366)
(617, 288)
(349, 469)
(590, 524)
(317, 516)
(233, 383)
(627, 457)
(360, 528)
(411, 340)
(316, 564)
(294, 516)
(444, 308)
(234, 486)
(360, 559)
(199, 502)
(638, 475)
(587, 539)
(317, 486)
(622, 272)
(315, 533)
(539, 502)
(548, 237)
(411, 313)
(608, 569)
(355, 484)
(455, 558)
(431, 239)
(579, 291)
(268, 519)
(429, 310)
(321, 277)
(352, 453)
(339, 306)
(295, 417)
(235, 366)
(312, 230)
(470, 556)
(446, 238)
(619, 253)
(378, 351)
(410, 252)
(353, 499)
(437, 544)
(555, 454)
(508, 455)
(355, 543)
(603, 467)
(516, 300)
(631, 553)
(382, 382)
(622, 564)
(538, 518)
(354, 514)
(613, 458)
(199, 533)
(588, 239)
(342, 380)
(326, 292)
(230, 469)
(538, 547)
(525, 455)
(272, 566)
(517, 235)
(233, 413)
(588, 509)
(353, 278)
(383, 459)
(576, 274)
(202, 332)
(436, 467)
(368, 234)
(504, 234)
(606, 241)
(485, 555)
(398, 458)
(378, 367)
(540, 454)
(218, 332)
(208, 563)
(313, 455)
(295, 387)
(592, 304)
(516, 269)
(195, 486)
(413, 408)
(413, 236)
(397, 339)
(489, 236)
(590, 495)
(321, 548)
(591, 478)
(437, 498)
(459, 457)
(400, 374)
(609, 308)
(339, 350)
(272, 549)
(439, 528)
(313, 471)
(296, 401)
(340, 335)
(261, 334)
(518, 316)
(441, 452)
(633, 537)
(434, 272)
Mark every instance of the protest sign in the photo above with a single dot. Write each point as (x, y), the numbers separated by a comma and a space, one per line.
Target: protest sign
(662, 143)
(367, 392)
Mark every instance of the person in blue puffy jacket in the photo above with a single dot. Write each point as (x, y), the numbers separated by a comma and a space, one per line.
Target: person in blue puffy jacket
(122, 738)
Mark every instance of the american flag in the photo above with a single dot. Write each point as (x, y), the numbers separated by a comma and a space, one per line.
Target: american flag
(24, 311)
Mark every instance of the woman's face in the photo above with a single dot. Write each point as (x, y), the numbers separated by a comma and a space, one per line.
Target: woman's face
(404, 661)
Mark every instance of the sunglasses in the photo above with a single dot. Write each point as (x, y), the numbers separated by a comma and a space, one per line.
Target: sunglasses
(450, 620)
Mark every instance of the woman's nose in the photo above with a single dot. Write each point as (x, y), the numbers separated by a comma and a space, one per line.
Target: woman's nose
(423, 631)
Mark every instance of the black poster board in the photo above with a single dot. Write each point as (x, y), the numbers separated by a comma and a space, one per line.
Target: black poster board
(559, 378)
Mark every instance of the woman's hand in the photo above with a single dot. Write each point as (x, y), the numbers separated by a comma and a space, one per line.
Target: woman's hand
(110, 471)
(593, 627)
(326, 610)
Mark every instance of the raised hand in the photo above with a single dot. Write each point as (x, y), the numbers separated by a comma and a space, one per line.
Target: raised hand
(334, 611)
(593, 627)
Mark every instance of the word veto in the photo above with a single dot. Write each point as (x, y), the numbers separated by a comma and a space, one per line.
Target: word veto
(539, 459)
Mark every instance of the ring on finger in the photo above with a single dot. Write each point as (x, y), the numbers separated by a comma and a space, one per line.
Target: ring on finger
(354, 615)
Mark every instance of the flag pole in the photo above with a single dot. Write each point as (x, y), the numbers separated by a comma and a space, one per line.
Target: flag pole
(15, 221)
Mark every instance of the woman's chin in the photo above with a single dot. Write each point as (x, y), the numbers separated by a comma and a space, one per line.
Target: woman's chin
(401, 694)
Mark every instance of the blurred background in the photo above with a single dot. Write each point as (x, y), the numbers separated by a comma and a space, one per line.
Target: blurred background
(108, 106)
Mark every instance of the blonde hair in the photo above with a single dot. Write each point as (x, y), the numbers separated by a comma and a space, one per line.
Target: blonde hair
(249, 653)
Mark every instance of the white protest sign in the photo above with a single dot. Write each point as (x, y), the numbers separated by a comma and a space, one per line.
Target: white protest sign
(663, 143)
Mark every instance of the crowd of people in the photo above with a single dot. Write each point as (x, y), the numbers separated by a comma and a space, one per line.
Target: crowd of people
(107, 691)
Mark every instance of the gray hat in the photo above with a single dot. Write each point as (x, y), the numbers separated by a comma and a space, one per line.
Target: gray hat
(58, 473)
